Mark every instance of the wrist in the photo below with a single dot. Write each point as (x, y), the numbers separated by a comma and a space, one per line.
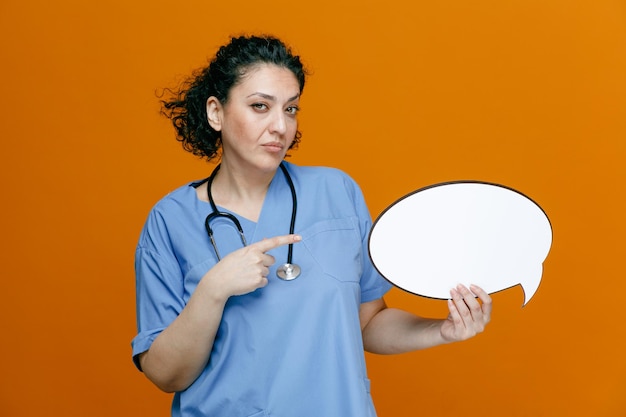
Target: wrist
(211, 290)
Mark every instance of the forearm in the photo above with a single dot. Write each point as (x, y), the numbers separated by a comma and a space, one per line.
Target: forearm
(180, 353)
(396, 331)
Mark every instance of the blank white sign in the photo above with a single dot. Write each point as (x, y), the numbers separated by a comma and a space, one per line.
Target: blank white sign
(464, 232)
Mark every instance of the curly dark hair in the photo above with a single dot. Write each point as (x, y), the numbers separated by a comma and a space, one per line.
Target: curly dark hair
(186, 107)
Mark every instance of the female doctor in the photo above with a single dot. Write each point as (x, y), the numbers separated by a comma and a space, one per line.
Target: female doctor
(221, 321)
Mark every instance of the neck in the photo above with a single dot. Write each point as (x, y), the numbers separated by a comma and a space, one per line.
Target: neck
(241, 191)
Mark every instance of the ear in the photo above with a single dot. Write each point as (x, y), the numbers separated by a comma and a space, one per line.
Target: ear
(214, 113)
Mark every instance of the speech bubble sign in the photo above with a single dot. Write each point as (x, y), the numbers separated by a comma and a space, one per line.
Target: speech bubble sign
(462, 232)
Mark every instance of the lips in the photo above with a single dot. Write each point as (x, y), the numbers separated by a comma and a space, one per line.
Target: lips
(273, 146)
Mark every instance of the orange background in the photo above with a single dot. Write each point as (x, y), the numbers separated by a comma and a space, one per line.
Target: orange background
(527, 93)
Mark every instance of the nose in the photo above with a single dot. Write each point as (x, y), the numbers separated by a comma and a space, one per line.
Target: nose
(279, 123)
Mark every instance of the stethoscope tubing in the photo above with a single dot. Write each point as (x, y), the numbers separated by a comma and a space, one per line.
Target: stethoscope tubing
(294, 210)
(207, 224)
(287, 271)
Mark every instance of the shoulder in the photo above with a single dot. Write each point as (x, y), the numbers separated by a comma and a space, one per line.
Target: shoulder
(320, 175)
(169, 212)
(316, 185)
(177, 199)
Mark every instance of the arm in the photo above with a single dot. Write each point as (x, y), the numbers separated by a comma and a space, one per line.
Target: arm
(387, 330)
(180, 353)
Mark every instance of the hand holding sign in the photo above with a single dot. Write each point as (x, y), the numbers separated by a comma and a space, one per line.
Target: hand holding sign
(461, 232)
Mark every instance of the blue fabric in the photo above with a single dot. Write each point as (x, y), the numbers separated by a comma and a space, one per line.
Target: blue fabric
(291, 348)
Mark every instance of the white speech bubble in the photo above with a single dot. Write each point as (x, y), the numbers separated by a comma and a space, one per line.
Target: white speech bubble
(465, 232)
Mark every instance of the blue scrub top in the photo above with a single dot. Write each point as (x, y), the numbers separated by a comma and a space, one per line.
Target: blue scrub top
(292, 348)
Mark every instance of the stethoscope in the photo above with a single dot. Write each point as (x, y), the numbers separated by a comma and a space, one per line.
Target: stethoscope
(286, 271)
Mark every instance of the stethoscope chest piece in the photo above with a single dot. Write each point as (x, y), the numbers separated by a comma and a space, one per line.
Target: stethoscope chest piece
(288, 271)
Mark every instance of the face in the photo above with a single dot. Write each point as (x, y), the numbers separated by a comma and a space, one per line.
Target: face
(259, 122)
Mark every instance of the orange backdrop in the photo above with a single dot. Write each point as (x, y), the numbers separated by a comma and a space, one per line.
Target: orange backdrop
(527, 93)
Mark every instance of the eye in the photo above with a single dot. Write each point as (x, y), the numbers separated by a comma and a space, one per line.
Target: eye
(293, 110)
(259, 106)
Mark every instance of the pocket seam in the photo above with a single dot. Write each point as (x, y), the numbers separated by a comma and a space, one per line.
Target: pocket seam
(329, 226)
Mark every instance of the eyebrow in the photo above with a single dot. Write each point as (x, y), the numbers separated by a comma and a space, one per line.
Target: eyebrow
(271, 97)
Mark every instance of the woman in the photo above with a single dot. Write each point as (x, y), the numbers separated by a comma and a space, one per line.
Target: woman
(217, 325)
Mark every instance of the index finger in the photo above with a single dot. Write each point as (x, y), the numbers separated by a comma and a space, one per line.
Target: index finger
(268, 244)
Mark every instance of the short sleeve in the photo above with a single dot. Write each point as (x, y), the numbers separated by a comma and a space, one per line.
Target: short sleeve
(373, 285)
(159, 284)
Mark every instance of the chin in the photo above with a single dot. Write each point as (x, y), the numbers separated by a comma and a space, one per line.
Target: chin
(270, 165)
